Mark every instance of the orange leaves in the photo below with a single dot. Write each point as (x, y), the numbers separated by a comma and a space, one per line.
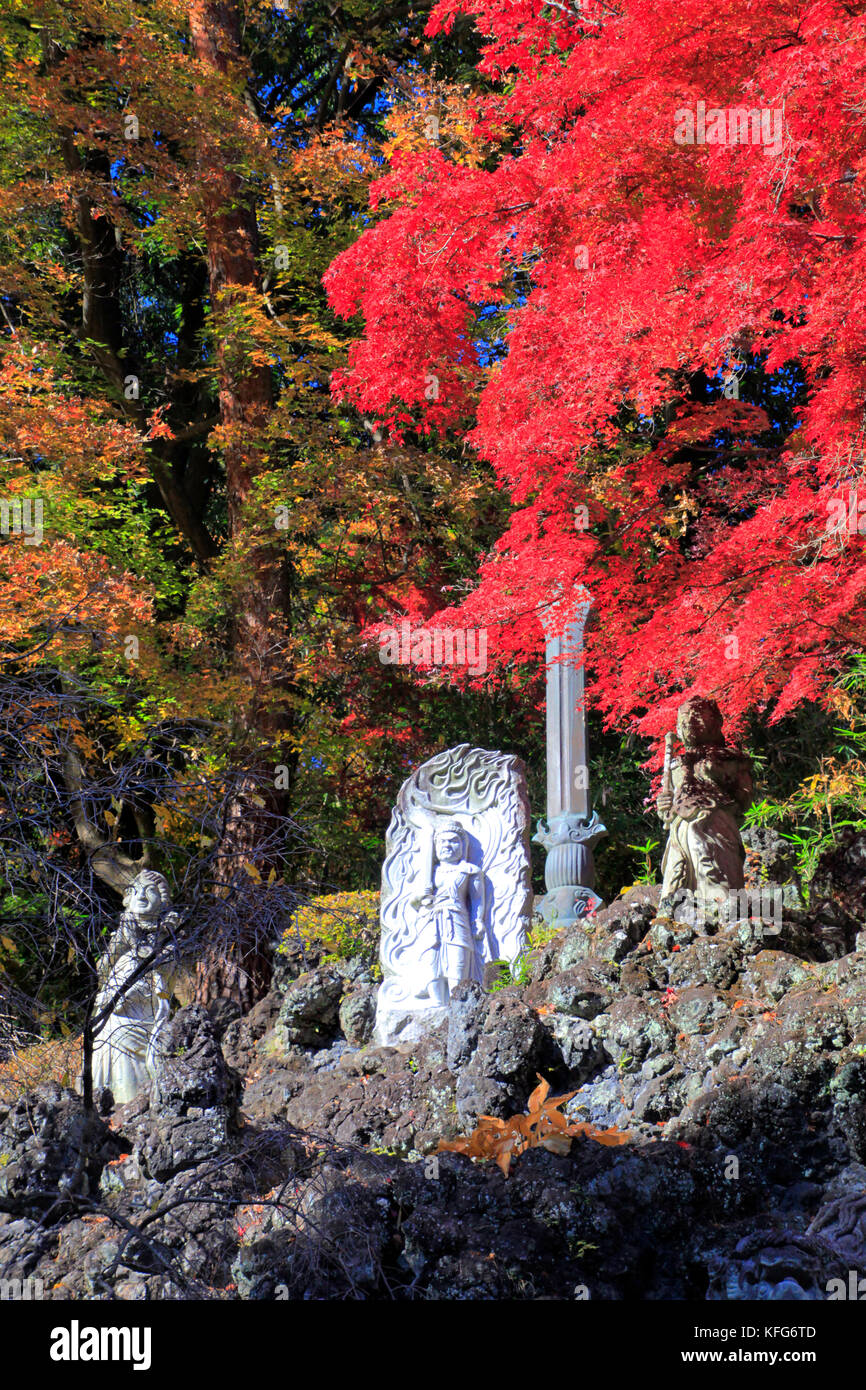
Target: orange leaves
(335, 162)
(72, 594)
(433, 116)
(544, 1126)
(42, 419)
(58, 452)
(157, 427)
(611, 1137)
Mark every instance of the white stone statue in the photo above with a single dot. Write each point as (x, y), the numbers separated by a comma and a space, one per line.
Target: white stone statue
(452, 931)
(123, 1045)
(456, 886)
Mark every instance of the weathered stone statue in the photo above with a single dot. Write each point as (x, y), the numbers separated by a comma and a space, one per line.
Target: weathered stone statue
(703, 800)
(456, 888)
(123, 1045)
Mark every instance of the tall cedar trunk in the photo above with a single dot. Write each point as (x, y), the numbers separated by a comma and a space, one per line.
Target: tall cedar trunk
(261, 614)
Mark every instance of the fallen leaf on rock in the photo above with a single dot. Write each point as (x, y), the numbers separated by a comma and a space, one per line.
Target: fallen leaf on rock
(612, 1136)
(544, 1126)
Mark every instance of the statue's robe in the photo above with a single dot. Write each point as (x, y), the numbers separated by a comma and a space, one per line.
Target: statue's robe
(704, 851)
(124, 1046)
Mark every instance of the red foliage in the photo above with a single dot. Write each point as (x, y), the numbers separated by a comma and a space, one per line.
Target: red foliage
(644, 260)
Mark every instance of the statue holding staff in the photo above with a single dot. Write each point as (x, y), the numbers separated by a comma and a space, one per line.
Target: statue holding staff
(705, 794)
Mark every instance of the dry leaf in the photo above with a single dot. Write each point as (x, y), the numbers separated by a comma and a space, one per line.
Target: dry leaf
(544, 1126)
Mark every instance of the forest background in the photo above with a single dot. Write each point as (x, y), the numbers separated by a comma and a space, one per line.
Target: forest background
(230, 235)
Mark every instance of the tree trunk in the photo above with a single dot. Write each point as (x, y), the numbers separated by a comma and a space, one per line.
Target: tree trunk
(262, 601)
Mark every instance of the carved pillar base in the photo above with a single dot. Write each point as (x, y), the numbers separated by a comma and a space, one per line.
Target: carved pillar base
(569, 872)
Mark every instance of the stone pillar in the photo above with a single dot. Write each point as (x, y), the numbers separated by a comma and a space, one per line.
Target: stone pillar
(572, 829)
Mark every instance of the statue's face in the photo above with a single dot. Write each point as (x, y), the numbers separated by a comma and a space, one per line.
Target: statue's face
(448, 846)
(144, 899)
(697, 727)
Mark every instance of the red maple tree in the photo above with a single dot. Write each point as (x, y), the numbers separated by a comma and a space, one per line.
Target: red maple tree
(644, 308)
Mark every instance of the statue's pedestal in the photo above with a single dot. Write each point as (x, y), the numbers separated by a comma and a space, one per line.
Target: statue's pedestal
(569, 871)
(402, 1027)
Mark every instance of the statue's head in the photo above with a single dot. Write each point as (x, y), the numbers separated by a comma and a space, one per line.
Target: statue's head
(450, 842)
(699, 722)
(148, 896)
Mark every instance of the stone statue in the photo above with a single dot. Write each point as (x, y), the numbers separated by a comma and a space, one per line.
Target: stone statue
(456, 888)
(451, 911)
(705, 794)
(123, 1045)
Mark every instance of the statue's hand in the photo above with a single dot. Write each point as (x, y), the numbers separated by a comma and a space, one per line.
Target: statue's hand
(664, 805)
